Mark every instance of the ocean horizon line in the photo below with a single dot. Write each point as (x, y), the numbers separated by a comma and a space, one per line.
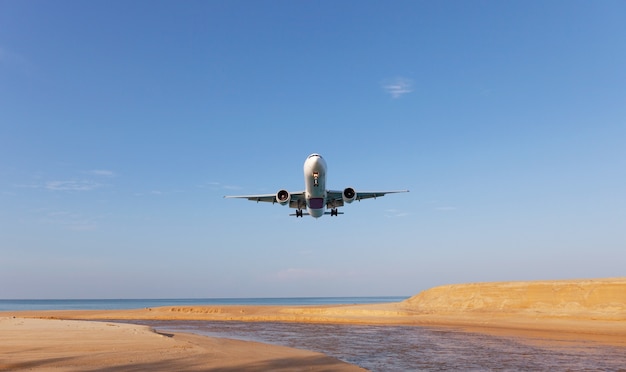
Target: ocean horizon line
(139, 303)
(183, 298)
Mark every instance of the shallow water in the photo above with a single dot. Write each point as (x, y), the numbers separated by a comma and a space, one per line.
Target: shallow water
(405, 348)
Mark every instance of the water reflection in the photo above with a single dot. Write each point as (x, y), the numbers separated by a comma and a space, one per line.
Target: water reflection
(398, 348)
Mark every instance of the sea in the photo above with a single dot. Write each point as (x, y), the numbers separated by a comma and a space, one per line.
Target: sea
(377, 348)
(124, 304)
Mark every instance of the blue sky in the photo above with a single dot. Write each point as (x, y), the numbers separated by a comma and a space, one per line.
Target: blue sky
(123, 125)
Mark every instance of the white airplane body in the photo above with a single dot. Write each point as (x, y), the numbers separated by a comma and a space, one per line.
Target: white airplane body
(315, 198)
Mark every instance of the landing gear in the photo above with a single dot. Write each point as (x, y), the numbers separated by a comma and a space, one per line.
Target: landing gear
(334, 212)
(298, 213)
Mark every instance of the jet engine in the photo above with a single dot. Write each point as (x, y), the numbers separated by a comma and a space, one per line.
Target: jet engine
(348, 195)
(283, 197)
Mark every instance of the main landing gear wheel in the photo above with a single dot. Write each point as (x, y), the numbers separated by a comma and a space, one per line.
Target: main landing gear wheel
(298, 213)
(334, 212)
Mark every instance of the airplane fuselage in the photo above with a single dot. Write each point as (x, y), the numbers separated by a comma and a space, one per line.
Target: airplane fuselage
(315, 185)
(315, 198)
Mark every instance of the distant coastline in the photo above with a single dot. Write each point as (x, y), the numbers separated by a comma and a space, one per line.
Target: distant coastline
(127, 304)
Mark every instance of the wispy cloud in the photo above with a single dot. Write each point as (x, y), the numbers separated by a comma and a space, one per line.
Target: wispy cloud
(86, 181)
(446, 209)
(70, 221)
(27, 186)
(219, 186)
(102, 173)
(441, 207)
(390, 213)
(72, 185)
(398, 87)
(158, 193)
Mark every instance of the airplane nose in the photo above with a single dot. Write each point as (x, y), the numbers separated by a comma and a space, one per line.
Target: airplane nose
(317, 160)
(315, 163)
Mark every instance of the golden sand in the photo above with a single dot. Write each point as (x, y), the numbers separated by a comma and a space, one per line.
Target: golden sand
(584, 309)
(66, 345)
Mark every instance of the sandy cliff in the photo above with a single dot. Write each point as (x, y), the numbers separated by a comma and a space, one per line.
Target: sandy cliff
(577, 299)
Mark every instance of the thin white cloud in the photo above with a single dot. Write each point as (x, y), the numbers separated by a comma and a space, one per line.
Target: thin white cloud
(306, 252)
(446, 209)
(73, 185)
(219, 186)
(27, 186)
(390, 213)
(70, 221)
(156, 192)
(102, 173)
(398, 87)
(85, 183)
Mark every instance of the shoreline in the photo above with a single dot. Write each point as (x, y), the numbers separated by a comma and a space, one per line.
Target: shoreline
(583, 310)
(70, 345)
(515, 324)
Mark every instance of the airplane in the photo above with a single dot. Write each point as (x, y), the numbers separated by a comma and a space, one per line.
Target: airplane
(315, 196)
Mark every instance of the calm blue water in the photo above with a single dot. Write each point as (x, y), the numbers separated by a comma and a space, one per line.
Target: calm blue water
(114, 304)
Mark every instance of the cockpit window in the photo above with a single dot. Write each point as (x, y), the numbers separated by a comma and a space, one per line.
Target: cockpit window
(314, 155)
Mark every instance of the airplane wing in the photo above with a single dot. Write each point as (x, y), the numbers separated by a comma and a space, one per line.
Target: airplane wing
(336, 195)
(269, 198)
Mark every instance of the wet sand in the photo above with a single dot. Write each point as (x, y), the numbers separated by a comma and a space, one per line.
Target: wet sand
(66, 345)
(582, 309)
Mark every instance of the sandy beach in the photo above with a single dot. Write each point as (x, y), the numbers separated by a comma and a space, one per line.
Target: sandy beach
(67, 345)
(592, 309)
